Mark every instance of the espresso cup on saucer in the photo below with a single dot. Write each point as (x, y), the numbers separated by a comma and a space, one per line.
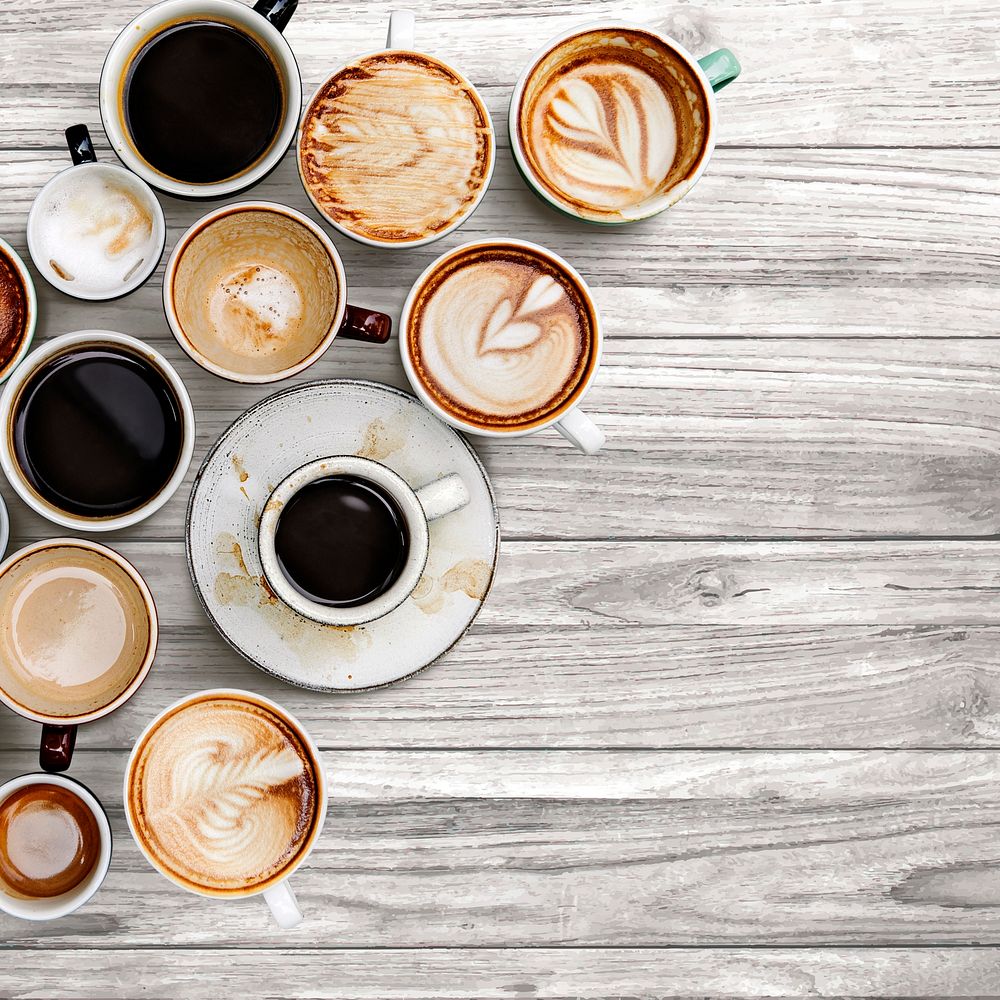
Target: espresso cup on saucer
(55, 846)
(502, 338)
(396, 148)
(613, 122)
(18, 309)
(201, 98)
(97, 430)
(95, 230)
(226, 796)
(78, 633)
(256, 292)
(344, 540)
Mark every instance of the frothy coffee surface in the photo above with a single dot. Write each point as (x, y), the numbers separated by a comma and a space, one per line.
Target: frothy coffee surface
(93, 230)
(13, 311)
(501, 336)
(396, 147)
(74, 631)
(223, 795)
(611, 121)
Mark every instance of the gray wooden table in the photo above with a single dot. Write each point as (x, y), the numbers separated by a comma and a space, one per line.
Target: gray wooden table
(730, 721)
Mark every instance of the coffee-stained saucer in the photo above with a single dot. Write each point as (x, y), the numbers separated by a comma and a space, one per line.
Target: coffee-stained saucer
(278, 436)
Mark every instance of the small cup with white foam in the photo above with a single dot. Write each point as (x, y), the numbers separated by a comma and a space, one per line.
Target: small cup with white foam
(256, 292)
(95, 230)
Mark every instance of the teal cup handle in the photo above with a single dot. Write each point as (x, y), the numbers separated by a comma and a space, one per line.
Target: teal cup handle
(721, 67)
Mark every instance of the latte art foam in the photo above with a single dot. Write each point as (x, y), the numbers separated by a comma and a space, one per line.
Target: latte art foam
(223, 795)
(501, 337)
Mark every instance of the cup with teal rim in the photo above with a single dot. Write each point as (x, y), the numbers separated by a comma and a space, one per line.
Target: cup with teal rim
(613, 122)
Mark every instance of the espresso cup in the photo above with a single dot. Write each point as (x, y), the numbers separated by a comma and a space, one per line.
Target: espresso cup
(55, 846)
(256, 292)
(501, 338)
(225, 795)
(78, 633)
(201, 98)
(97, 430)
(613, 122)
(344, 540)
(95, 233)
(396, 147)
(18, 309)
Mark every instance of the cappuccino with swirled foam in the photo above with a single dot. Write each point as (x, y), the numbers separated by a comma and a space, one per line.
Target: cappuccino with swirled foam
(612, 122)
(502, 336)
(223, 795)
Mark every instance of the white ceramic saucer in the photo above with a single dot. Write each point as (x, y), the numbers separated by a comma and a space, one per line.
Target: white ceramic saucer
(273, 439)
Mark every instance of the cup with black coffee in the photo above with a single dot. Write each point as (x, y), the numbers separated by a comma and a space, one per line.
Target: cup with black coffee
(201, 98)
(344, 540)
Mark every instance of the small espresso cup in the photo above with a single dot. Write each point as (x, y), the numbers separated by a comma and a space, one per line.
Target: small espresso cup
(502, 338)
(414, 510)
(66, 454)
(256, 292)
(609, 152)
(18, 309)
(78, 634)
(187, 107)
(54, 823)
(225, 795)
(396, 147)
(95, 230)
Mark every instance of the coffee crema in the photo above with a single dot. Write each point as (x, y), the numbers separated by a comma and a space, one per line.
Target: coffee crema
(502, 337)
(74, 631)
(611, 121)
(223, 795)
(14, 311)
(396, 147)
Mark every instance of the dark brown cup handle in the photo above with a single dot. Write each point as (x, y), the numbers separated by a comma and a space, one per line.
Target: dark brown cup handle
(367, 325)
(56, 751)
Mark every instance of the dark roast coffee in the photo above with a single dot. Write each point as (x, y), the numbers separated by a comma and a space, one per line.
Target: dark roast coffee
(202, 102)
(97, 432)
(341, 541)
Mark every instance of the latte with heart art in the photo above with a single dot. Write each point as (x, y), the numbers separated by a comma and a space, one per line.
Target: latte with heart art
(612, 123)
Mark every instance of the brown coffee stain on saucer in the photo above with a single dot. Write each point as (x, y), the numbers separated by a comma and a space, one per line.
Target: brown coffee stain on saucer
(381, 440)
(240, 469)
(243, 490)
(469, 576)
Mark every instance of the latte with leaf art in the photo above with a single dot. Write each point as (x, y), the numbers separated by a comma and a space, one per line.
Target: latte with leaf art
(502, 336)
(223, 795)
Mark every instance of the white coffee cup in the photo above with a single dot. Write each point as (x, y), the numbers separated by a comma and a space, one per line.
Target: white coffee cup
(13, 259)
(53, 907)
(435, 500)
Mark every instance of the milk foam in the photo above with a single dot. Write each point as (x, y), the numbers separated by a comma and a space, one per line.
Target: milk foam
(254, 308)
(94, 230)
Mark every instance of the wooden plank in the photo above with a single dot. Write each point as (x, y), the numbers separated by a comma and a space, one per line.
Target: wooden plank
(503, 974)
(488, 849)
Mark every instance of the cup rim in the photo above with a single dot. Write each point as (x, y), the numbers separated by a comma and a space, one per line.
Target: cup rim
(669, 198)
(417, 385)
(416, 521)
(32, 298)
(322, 789)
(84, 892)
(50, 349)
(122, 49)
(139, 278)
(151, 612)
(170, 274)
(397, 244)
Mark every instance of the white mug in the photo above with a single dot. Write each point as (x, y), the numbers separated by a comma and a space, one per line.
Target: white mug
(21, 273)
(430, 502)
(53, 907)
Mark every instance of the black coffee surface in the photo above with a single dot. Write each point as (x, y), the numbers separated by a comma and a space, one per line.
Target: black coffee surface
(202, 102)
(341, 541)
(97, 432)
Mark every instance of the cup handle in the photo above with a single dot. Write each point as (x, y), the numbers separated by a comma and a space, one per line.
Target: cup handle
(80, 146)
(721, 67)
(56, 750)
(278, 12)
(366, 325)
(402, 29)
(580, 430)
(284, 906)
(444, 496)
